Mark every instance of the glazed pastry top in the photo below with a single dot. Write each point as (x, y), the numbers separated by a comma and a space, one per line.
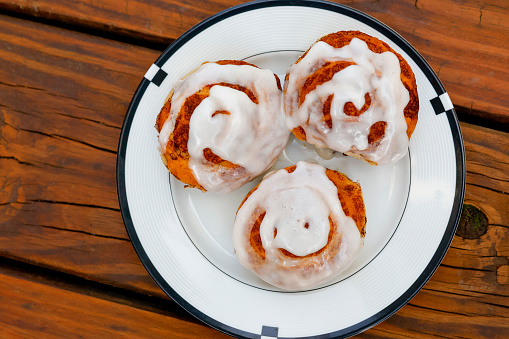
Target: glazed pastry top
(299, 209)
(245, 127)
(366, 72)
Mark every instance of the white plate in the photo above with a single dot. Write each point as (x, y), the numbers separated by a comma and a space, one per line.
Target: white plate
(183, 236)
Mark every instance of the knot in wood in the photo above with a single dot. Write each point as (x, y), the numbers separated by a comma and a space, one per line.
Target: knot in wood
(473, 223)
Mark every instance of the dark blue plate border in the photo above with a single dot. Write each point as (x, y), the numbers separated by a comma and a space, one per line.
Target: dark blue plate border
(425, 68)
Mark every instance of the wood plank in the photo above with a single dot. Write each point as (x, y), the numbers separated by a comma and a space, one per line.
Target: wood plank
(32, 308)
(466, 42)
(79, 230)
(64, 98)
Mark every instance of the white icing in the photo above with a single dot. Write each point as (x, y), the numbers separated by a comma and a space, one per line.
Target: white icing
(375, 73)
(289, 215)
(251, 135)
(292, 200)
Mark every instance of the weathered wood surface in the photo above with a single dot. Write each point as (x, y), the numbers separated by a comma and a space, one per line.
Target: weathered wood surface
(466, 42)
(34, 307)
(63, 97)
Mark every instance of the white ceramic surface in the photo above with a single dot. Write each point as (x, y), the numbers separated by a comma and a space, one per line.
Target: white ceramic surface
(183, 236)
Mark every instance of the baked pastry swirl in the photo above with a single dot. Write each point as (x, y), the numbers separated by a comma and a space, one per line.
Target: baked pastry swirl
(354, 94)
(222, 125)
(301, 226)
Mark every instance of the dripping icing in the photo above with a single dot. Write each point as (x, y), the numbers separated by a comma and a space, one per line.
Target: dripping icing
(374, 73)
(259, 128)
(291, 200)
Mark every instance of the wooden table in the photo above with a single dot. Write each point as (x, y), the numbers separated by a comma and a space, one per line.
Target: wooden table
(68, 70)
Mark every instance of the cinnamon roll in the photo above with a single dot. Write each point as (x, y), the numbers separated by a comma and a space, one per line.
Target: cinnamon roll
(222, 125)
(301, 226)
(352, 93)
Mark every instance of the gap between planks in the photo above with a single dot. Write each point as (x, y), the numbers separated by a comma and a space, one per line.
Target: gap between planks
(46, 276)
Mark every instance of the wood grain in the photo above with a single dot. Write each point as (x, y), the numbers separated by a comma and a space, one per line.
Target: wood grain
(64, 96)
(465, 42)
(32, 308)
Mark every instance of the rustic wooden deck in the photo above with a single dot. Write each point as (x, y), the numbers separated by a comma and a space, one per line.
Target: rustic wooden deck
(68, 70)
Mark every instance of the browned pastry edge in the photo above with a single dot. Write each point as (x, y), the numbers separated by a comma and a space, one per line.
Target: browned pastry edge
(352, 202)
(325, 73)
(176, 155)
